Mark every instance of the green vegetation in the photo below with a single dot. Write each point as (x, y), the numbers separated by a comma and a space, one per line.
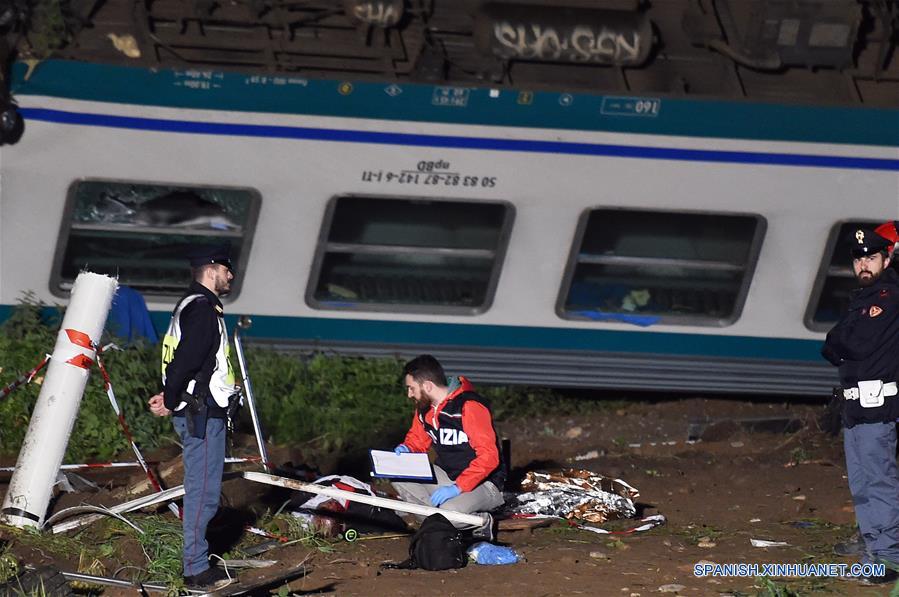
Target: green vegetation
(154, 555)
(25, 338)
(770, 588)
(297, 530)
(9, 565)
(799, 455)
(60, 544)
(322, 403)
(162, 542)
(696, 534)
(47, 28)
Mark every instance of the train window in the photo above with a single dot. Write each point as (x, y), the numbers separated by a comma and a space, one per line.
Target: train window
(140, 232)
(654, 266)
(413, 255)
(835, 281)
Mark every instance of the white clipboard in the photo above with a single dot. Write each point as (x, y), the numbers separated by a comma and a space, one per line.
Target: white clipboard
(413, 466)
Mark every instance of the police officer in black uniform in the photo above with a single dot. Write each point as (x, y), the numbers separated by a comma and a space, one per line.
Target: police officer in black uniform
(198, 386)
(865, 346)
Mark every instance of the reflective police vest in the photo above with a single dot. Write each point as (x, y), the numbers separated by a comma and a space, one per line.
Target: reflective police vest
(454, 452)
(222, 380)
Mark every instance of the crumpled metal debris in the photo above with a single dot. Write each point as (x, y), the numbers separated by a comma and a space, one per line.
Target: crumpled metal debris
(69, 482)
(576, 494)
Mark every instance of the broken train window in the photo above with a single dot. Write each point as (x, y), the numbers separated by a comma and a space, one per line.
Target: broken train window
(140, 232)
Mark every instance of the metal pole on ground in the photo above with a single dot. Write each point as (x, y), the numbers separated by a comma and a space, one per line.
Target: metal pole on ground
(242, 324)
(57, 404)
(101, 465)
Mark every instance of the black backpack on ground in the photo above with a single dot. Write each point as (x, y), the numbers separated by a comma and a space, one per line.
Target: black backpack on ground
(436, 545)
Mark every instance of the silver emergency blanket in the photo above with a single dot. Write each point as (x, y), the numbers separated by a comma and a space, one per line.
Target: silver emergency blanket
(576, 494)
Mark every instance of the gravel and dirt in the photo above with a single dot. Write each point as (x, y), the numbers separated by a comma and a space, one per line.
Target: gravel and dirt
(722, 471)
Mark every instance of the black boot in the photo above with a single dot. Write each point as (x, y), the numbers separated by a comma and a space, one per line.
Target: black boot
(210, 579)
(854, 546)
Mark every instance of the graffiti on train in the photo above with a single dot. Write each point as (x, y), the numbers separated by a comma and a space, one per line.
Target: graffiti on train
(579, 44)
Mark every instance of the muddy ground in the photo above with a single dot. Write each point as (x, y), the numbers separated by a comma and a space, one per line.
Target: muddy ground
(759, 470)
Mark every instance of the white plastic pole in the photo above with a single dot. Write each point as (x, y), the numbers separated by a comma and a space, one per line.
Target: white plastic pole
(57, 404)
(472, 520)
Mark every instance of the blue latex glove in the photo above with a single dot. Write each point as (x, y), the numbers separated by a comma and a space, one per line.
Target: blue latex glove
(401, 449)
(443, 494)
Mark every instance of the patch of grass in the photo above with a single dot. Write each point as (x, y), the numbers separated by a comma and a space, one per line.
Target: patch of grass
(47, 29)
(817, 586)
(59, 545)
(88, 565)
(162, 542)
(511, 402)
(562, 528)
(297, 531)
(9, 565)
(696, 533)
(769, 588)
(799, 454)
(617, 544)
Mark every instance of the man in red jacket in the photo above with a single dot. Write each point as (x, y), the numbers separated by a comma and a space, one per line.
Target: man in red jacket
(457, 422)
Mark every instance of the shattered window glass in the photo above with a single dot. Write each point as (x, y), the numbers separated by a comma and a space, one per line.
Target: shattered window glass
(835, 281)
(645, 267)
(409, 255)
(124, 204)
(141, 232)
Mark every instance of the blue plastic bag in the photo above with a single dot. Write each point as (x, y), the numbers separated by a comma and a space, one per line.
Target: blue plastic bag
(492, 555)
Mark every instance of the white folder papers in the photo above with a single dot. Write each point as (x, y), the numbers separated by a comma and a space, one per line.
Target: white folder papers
(408, 465)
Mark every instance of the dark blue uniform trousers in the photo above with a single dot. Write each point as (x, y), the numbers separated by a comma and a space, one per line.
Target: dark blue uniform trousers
(204, 461)
(874, 483)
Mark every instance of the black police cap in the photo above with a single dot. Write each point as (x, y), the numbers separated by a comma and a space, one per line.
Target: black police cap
(864, 242)
(206, 254)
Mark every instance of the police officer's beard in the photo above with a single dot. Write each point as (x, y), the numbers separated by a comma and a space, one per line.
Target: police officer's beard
(222, 287)
(865, 281)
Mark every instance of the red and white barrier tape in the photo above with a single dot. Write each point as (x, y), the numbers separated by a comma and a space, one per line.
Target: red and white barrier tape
(24, 378)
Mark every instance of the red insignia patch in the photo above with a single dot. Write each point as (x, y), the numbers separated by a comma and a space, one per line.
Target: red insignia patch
(874, 311)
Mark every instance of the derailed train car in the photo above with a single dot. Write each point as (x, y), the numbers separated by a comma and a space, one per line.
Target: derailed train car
(557, 239)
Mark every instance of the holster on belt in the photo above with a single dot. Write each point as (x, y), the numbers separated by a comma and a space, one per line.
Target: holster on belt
(831, 420)
(235, 401)
(195, 414)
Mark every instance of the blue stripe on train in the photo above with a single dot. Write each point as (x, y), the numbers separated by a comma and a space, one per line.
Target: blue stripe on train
(457, 142)
(206, 89)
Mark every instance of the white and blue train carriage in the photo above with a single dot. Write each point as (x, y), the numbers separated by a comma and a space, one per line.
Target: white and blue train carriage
(538, 238)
